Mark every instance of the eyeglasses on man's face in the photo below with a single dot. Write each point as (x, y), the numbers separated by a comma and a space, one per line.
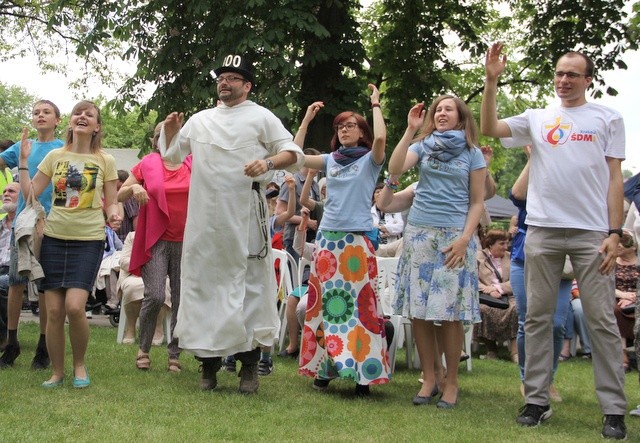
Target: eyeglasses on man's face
(348, 126)
(229, 79)
(571, 75)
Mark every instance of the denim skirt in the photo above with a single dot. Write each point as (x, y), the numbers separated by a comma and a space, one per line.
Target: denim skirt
(70, 263)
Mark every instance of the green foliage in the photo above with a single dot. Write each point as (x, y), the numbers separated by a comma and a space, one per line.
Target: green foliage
(16, 106)
(327, 50)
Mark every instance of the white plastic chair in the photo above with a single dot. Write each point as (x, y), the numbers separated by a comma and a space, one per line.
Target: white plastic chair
(288, 270)
(387, 267)
(122, 324)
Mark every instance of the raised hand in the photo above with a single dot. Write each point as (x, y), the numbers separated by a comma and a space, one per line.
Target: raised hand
(415, 119)
(487, 153)
(495, 61)
(172, 125)
(375, 94)
(25, 145)
(312, 111)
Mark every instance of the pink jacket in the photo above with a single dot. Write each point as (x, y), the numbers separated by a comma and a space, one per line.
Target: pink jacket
(155, 211)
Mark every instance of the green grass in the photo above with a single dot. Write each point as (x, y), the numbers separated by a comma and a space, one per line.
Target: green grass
(127, 405)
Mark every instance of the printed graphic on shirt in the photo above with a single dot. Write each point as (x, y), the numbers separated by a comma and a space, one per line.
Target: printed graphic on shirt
(344, 171)
(557, 133)
(75, 184)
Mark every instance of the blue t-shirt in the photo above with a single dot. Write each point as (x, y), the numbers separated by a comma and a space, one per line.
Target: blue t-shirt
(39, 150)
(349, 191)
(443, 191)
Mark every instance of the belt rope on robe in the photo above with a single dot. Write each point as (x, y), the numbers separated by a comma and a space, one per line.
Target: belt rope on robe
(261, 216)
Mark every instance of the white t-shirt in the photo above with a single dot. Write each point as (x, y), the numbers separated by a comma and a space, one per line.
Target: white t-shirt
(569, 176)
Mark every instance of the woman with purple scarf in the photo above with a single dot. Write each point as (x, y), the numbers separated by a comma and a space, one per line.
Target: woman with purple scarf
(343, 334)
(437, 284)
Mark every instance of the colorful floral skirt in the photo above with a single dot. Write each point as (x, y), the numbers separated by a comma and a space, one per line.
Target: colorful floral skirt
(425, 288)
(343, 332)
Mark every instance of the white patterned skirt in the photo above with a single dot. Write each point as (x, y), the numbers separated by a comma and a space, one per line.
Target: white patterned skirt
(425, 288)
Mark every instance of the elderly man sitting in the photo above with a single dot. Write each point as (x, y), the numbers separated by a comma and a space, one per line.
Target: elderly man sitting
(9, 205)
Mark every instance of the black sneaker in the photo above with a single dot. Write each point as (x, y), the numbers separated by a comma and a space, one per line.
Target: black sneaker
(229, 364)
(533, 415)
(613, 427)
(11, 352)
(265, 367)
(41, 359)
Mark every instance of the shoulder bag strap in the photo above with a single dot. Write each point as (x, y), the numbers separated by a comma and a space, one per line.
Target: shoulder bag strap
(490, 263)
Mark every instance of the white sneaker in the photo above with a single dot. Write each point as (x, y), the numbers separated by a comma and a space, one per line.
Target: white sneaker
(635, 412)
(89, 314)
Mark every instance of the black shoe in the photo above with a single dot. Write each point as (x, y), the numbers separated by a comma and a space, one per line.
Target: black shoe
(320, 384)
(230, 364)
(284, 353)
(249, 382)
(265, 367)
(40, 360)
(11, 352)
(363, 391)
(613, 427)
(533, 415)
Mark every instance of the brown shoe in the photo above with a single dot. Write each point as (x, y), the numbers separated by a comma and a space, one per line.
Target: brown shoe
(209, 368)
(174, 365)
(248, 378)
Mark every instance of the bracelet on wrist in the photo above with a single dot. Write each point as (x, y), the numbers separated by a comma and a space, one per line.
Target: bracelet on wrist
(375, 105)
(391, 184)
(22, 169)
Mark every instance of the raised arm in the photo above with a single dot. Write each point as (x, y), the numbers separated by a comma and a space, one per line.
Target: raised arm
(520, 187)
(305, 196)
(401, 161)
(283, 217)
(312, 111)
(495, 63)
(379, 128)
(40, 180)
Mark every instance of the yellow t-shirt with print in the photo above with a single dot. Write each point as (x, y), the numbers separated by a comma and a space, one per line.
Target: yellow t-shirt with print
(78, 181)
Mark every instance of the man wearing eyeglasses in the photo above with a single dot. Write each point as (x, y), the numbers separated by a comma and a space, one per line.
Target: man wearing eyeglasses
(574, 205)
(228, 281)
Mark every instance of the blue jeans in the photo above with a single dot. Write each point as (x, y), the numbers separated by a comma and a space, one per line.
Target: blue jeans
(516, 277)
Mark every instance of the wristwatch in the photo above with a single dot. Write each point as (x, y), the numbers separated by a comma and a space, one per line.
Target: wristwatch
(616, 231)
(270, 166)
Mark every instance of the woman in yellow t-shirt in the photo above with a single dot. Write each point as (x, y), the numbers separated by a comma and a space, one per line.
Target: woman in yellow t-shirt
(81, 173)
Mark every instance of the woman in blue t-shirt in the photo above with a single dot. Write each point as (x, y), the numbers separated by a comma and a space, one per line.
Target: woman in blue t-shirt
(343, 330)
(437, 283)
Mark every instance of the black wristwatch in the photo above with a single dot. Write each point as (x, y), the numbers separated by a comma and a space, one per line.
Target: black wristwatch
(616, 231)
(269, 164)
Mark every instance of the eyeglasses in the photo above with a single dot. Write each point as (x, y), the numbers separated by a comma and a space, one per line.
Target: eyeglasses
(348, 126)
(571, 75)
(230, 79)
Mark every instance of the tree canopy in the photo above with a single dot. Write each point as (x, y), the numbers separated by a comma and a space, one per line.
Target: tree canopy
(306, 50)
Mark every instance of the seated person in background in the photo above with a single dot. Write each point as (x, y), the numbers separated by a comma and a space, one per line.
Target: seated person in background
(9, 206)
(576, 323)
(130, 290)
(390, 224)
(130, 209)
(626, 283)
(109, 267)
(493, 279)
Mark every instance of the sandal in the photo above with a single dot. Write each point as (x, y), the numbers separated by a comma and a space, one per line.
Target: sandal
(174, 365)
(143, 362)
(564, 357)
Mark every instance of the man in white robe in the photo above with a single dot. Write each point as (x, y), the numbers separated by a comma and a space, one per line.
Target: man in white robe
(228, 287)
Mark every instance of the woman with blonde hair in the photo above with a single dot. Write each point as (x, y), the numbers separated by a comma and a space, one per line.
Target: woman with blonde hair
(81, 174)
(437, 284)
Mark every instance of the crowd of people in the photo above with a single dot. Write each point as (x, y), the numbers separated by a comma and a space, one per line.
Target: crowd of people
(204, 210)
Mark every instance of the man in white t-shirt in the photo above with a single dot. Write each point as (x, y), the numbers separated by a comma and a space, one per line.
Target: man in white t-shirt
(574, 205)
